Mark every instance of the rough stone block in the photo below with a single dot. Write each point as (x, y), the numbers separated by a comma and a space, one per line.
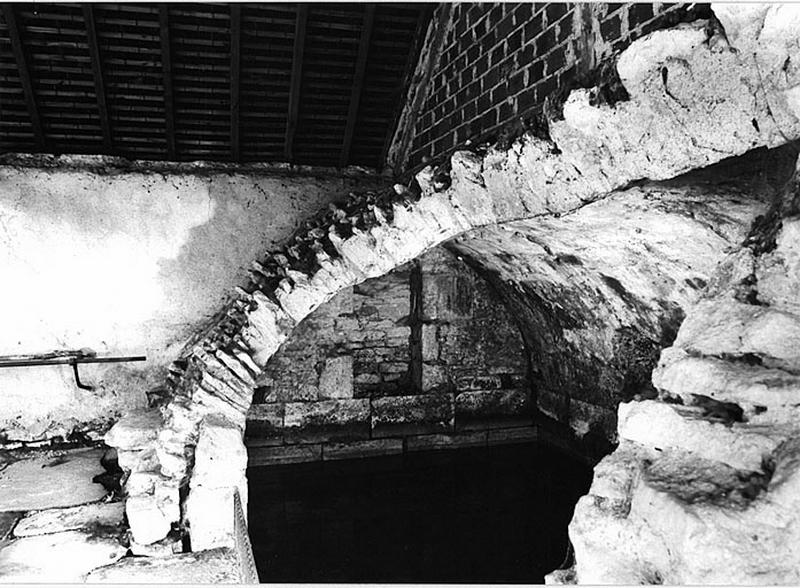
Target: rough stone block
(148, 522)
(360, 449)
(512, 435)
(486, 409)
(266, 456)
(434, 376)
(412, 415)
(264, 424)
(336, 379)
(135, 431)
(326, 420)
(220, 457)
(430, 343)
(446, 441)
(209, 512)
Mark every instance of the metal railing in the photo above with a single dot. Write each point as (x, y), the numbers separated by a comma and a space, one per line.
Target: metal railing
(248, 574)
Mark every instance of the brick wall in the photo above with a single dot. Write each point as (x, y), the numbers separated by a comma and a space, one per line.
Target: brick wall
(498, 62)
(422, 357)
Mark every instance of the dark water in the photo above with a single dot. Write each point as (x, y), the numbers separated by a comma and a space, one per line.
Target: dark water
(495, 514)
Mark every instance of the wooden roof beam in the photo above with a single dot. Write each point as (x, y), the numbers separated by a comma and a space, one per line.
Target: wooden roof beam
(166, 62)
(18, 48)
(358, 82)
(97, 71)
(297, 77)
(236, 53)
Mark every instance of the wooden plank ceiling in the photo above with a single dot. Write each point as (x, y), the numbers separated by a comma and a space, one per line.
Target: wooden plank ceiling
(314, 84)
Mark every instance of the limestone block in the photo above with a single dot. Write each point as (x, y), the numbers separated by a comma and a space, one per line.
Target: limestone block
(778, 272)
(64, 557)
(264, 456)
(142, 460)
(492, 408)
(767, 396)
(361, 449)
(733, 329)
(438, 441)
(265, 422)
(327, 420)
(655, 424)
(164, 548)
(433, 376)
(412, 415)
(135, 431)
(336, 379)
(220, 455)
(215, 566)
(148, 521)
(209, 512)
(430, 343)
(85, 516)
(506, 436)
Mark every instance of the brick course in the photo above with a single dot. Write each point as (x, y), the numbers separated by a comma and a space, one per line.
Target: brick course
(499, 62)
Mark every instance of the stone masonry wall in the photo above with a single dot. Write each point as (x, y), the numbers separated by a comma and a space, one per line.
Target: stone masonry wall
(730, 102)
(426, 355)
(498, 62)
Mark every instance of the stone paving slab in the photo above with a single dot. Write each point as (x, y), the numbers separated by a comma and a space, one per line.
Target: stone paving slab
(215, 566)
(50, 479)
(57, 557)
(87, 516)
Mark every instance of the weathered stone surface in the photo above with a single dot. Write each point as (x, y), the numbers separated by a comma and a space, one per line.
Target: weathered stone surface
(135, 431)
(360, 449)
(336, 379)
(309, 422)
(492, 408)
(730, 329)
(51, 479)
(658, 425)
(264, 456)
(86, 516)
(412, 415)
(215, 566)
(164, 548)
(778, 271)
(149, 518)
(765, 395)
(210, 515)
(8, 521)
(265, 424)
(57, 557)
(220, 455)
(512, 435)
(446, 441)
(690, 106)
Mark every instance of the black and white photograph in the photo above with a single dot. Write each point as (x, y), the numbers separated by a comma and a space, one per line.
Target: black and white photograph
(400, 293)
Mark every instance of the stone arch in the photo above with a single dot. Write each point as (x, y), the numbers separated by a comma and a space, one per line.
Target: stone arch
(723, 103)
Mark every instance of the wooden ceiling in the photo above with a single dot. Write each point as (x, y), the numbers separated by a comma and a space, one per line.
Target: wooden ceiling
(312, 84)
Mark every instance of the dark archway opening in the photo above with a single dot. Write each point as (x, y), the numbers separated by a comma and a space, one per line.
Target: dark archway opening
(482, 515)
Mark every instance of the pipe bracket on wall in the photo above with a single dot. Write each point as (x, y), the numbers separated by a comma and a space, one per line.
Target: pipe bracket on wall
(65, 357)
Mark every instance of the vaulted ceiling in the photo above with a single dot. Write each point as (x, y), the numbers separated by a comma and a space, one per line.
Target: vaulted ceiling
(314, 84)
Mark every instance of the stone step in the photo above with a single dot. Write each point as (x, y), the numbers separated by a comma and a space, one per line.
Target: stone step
(766, 395)
(655, 424)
